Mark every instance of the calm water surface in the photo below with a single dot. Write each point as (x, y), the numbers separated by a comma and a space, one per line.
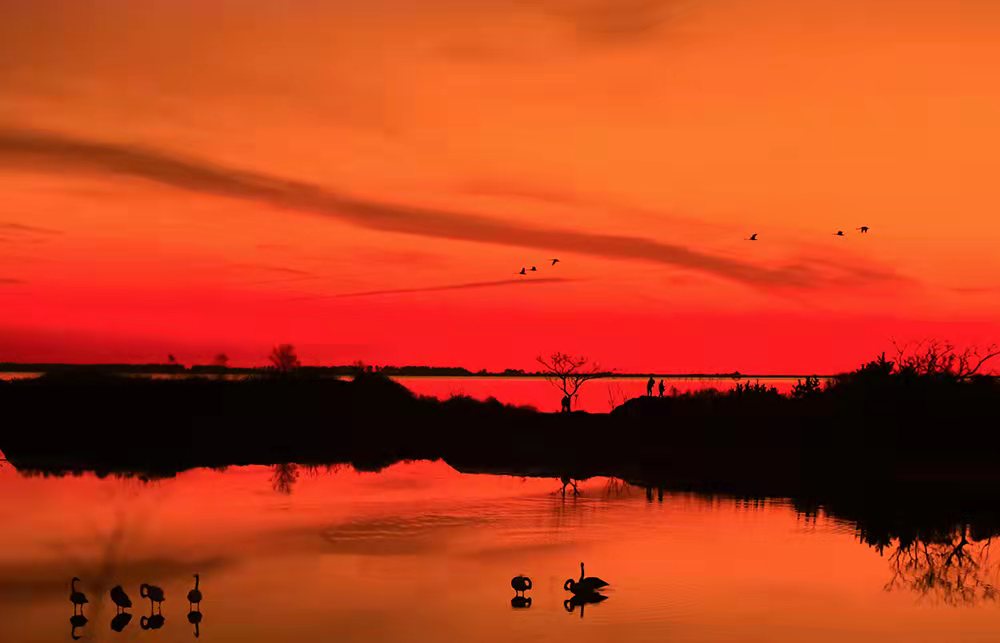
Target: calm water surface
(420, 552)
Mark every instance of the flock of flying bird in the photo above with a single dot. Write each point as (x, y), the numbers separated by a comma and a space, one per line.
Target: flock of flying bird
(839, 233)
(122, 602)
(525, 271)
(753, 237)
(585, 591)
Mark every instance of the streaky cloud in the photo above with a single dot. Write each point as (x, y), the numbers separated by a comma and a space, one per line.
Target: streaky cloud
(463, 286)
(45, 151)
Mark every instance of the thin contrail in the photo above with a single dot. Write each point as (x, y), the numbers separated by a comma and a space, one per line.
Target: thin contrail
(465, 286)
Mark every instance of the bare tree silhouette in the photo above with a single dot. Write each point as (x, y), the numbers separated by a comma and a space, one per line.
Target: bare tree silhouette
(935, 357)
(568, 373)
(283, 359)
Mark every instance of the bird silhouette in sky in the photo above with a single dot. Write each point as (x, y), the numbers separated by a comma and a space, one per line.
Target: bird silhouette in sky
(523, 272)
(838, 233)
(864, 229)
(752, 237)
(555, 261)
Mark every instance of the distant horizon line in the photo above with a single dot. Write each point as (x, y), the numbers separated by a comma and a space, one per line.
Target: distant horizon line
(409, 370)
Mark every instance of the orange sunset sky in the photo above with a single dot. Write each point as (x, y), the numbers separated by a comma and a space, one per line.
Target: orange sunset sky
(365, 179)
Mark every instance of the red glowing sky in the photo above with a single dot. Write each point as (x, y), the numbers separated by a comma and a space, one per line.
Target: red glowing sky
(195, 177)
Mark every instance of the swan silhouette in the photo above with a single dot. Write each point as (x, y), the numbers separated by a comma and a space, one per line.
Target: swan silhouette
(521, 584)
(152, 622)
(555, 261)
(120, 621)
(194, 596)
(523, 272)
(838, 233)
(520, 602)
(864, 229)
(586, 584)
(752, 237)
(75, 621)
(194, 618)
(78, 598)
(154, 594)
(120, 598)
(534, 269)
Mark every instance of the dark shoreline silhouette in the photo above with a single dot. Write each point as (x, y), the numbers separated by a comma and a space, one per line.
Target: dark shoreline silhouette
(875, 427)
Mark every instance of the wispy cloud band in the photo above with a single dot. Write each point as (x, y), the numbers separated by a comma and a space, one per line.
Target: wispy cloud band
(51, 152)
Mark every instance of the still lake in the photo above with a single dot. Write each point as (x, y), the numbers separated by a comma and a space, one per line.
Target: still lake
(421, 552)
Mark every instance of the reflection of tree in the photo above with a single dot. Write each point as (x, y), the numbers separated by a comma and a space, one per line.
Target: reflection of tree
(284, 476)
(952, 568)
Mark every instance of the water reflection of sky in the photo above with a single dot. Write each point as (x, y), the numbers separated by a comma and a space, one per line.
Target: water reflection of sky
(421, 552)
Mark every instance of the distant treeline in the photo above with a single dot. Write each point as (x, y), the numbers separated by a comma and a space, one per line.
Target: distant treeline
(345, 371)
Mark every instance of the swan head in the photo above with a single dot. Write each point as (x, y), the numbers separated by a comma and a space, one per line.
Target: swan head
(76, 579)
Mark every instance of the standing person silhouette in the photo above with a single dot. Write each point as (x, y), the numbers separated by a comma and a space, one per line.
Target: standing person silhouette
(662, 388)
(649, 386)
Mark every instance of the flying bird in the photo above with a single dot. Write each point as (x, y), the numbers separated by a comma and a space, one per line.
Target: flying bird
(523, 272)
(555, 261)
(752, 237)
(864, 229)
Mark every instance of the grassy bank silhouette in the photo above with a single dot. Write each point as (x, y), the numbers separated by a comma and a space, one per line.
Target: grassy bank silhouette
(885, 423)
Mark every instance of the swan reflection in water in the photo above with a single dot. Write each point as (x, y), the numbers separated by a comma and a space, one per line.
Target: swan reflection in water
(152, 622)
(75, 621)
(520, 602)
(120, 621)
(582, 600)
(194, 618)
